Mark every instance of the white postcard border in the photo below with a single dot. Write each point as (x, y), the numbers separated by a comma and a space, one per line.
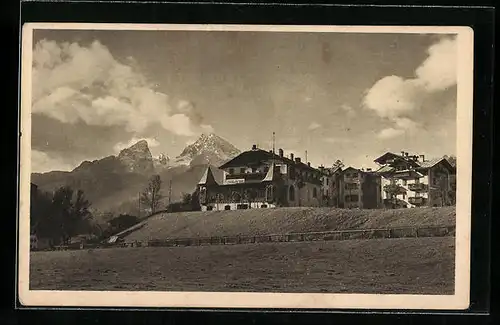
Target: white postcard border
(460, 300)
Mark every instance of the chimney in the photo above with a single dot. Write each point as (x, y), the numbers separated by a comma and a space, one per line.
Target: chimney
(254, 147)
(422, 157)
(297, 160)
(291, 156)
(402, 153)
(309, 164)
(406, 154)
(280, 152)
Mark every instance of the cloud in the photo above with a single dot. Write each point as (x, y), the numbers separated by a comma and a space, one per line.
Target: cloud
(43, 162)
(152, 142)
(396, 98)
(73, 82)
(348, 109)
(337, 140)
(439, 70)
(404, 123)
(389, 133)
(393, 96)
(314, 126)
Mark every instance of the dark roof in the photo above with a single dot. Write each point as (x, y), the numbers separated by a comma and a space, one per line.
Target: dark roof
(385, 169)
(258, 156)
(434, 162)
(390, 155)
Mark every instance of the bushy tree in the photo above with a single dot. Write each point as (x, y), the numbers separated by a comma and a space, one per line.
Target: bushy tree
(151, 196)
(60, 216)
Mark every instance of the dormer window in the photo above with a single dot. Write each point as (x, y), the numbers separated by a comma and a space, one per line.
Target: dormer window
(231, 171)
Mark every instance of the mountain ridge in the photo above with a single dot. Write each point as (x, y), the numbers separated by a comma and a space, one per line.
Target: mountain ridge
(113, 183)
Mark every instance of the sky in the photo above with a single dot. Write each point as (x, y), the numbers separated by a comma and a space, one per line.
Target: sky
(341, 96)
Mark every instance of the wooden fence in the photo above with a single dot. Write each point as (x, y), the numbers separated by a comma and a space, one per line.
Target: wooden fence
(402, 232)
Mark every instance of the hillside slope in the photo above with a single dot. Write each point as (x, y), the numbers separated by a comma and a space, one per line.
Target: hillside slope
(282, 221)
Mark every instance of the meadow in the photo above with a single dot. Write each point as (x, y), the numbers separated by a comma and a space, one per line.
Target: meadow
(396, 266)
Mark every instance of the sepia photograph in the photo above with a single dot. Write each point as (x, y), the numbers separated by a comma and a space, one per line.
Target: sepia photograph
(245, 166)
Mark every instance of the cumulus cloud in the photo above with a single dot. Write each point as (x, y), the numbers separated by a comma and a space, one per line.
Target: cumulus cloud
(314, 126)
(439, 70)
(43, 162)
(152, 142)
(73, 82)
(348, 109)
(389, 133)
(395, 98)
(337, 140)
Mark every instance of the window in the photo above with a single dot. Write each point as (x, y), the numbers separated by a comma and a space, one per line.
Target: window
(354, 175)
(210, 208)
(263, 206)
(231, 171)
(351, 198)
(254, 170)
(315, 193)
(266, 169)
(291, 193)
(405, 182)
(227, 207)
(242, 206)
(242, 170)
(351, 186)
(327, 181)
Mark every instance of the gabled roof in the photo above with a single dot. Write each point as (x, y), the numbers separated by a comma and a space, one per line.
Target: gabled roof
(258, 156)
(433, 162)
(385, 169)
(207, 178)
(352, 168)
(389, 155)
(386, 156)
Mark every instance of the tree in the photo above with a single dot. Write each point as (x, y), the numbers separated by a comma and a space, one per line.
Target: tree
(151, 197)
(61, 215)
(186, 198)
(122, 222)
(249, 195)
(195, 201)
(338, 164)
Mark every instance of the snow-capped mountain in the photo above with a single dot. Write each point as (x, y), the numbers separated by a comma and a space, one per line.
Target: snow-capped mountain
(208, 149)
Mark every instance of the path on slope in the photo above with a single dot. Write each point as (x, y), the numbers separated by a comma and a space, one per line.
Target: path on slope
(254, 222)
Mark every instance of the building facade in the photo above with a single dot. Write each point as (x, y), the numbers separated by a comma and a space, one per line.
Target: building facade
(261, 179)
(359, 189)
(412, 181)
(330, 185)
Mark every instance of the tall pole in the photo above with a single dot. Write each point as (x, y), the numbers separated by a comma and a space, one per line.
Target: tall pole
(306, 157)
(139, 205)
(274, 142)
(169, 192)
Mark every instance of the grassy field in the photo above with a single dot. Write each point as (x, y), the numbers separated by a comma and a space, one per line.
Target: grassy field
(284, 220)
(410, 266)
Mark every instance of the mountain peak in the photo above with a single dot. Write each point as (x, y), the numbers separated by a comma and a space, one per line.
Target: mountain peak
(137, 157)
(208, 148)
(139, 145)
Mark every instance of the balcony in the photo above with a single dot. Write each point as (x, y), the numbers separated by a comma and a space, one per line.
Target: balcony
(418, 201)
(418, 187)
(246, 176)
(407, 174)
(394, 189)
